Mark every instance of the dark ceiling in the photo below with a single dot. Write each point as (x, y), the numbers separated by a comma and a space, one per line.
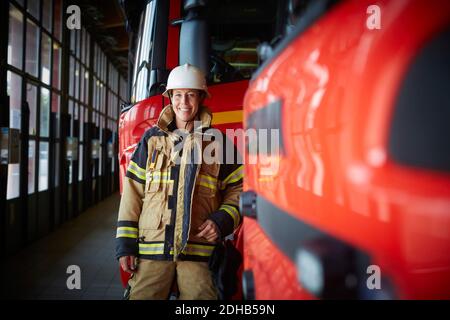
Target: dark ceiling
(106, 22)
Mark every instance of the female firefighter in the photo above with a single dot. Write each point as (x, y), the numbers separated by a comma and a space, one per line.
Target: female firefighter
(175, 208)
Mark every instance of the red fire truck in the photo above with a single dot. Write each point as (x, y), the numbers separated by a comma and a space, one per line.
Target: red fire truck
(352, 200)
(219, 37)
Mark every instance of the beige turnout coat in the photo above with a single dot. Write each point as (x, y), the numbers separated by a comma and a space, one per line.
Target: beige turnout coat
(170, 189)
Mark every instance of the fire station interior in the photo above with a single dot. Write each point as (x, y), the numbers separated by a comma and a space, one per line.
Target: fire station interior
(60, 177)
(74, 73)
(61, 92)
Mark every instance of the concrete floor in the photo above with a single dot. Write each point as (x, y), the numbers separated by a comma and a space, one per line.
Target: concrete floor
(39, 270)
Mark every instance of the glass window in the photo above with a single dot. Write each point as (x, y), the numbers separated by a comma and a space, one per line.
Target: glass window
(70, 172)
(56, 111)
(46, 51)
(14, 91)
(94, 92)
(80, 163)
(140, 81)
(43, 166)
(33, 7)
(97, 95)
(75, 111)
(81, 123)
(45, 113)
(114, 108)
(83, 46)
(88, 46)
(104, 66)
(86, 116)
(100, 156)
(72, 41)
(81, 83)
(57, 158)
(15, 37)
(32, 105)
(102, 98)
(78, 44)
(32, 54)
(57, 20)
(70, 110)
(56, 81)
(71, 76)
(47, 14)
(13, 181)
(86, 87)
(77, 80)
(31, 165)
(108, 110)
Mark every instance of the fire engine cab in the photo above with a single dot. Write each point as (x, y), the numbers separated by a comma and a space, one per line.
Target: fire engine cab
(353, 199)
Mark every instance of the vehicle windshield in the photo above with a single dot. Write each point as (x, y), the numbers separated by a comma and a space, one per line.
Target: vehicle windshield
(142, 63)
(235, 30)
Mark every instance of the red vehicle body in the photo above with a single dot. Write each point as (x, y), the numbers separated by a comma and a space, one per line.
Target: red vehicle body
(226, 95)
(337, 86)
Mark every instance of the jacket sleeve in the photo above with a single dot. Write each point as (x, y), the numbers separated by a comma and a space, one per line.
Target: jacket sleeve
(131, 202)
(231, 175)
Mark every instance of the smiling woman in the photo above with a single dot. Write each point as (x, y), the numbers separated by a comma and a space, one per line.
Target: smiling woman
(186, 87)
(185, 104)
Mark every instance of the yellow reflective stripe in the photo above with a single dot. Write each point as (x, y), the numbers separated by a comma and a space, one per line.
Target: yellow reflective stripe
(236, 175)
(204, 184)
(233, 212)
(212, 179)
(128, 228)
(127, 232)
(157, 175)
(151, 245)
(199, 246)
(126, 235)
(190, 249)
(151, 252)
(136, 167)
(202, 254)
(151, 248)
(136, 173)
(198, 250)
(162, 181)
(206, 181)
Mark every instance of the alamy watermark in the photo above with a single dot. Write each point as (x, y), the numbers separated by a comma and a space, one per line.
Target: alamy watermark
(74, 19)
(74, 280)
(373, 21)
(210, 146)
(374, 280)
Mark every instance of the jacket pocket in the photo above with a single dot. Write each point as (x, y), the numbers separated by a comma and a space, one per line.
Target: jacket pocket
(151, 214)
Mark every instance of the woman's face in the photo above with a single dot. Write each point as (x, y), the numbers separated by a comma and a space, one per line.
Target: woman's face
(185, 103)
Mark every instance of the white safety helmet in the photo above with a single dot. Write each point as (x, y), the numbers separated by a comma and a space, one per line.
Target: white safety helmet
(186, 77)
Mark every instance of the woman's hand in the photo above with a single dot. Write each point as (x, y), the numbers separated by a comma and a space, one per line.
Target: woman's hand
(209, 231)
(128, 263)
